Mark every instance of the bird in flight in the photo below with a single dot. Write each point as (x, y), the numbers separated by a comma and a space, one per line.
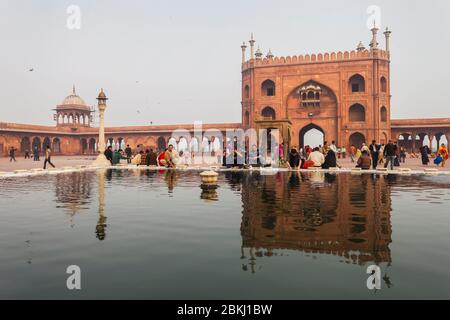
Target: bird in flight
(31, 69)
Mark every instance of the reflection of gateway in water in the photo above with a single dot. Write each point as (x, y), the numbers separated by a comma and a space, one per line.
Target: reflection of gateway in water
(344, 215)
(73, 191)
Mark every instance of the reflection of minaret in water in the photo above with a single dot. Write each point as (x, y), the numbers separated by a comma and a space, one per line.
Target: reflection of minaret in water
(100, 229)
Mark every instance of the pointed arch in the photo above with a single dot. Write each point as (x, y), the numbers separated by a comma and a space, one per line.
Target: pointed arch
(306, 129)
(269, 113)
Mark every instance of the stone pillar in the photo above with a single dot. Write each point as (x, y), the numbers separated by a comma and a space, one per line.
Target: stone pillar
(387, 35)
(413, 140)
(101, 159)
(430, 138)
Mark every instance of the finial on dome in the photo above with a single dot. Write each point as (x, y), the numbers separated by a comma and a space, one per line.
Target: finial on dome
(102, 95)
(360, 47)
(269, 54)
(73, 90)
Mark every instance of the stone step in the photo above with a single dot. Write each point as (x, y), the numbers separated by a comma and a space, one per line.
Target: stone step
(21, 171)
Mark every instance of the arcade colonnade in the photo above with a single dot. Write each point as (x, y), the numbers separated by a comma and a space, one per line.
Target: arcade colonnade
(414, 133)
(65, 143)
(413, 140)
(87, 144)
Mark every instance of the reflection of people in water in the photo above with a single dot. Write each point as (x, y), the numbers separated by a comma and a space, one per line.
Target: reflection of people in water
(108, 174)
(330, 178)
(294, 179)
(171, 179)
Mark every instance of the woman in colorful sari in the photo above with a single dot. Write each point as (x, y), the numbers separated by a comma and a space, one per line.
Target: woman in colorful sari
(443, 152)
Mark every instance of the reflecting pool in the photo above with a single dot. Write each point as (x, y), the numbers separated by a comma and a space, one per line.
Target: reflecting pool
(148, 234)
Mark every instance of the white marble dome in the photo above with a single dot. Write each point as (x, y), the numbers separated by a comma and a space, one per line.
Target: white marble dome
(73, 101)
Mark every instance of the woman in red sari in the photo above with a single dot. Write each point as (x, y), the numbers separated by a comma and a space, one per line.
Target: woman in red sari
(161, 158)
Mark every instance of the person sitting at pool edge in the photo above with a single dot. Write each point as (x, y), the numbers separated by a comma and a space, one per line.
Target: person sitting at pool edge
(144, 158)
(294, 158)
(317, 157)
(161, 158)
(168, 157)
(117, 156)
(365, 161)
(137, 158)
(152, 158)
(330, 160)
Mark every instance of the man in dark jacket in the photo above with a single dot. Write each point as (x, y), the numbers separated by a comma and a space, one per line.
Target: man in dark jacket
(390, 154)
(12, 154)
(374, 148)
(294, 158)
(128, 152)
(108, 154)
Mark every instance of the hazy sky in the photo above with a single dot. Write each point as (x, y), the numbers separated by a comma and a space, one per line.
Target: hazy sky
(179, 61)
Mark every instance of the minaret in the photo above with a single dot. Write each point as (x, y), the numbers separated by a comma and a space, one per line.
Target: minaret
(252, 47)
(243, 47)
(269, 54)
(374, 43)
(387, 35)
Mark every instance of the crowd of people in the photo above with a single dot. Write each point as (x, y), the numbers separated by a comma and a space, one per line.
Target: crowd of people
(169, 157)
(366, 157)
(326, 156)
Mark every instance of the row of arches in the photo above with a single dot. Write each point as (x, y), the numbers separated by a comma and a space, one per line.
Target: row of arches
(356, 113)
(88, 146)
(413, 141)
(182, 144)
(72, 118)
(37, 145)
(356, 84)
